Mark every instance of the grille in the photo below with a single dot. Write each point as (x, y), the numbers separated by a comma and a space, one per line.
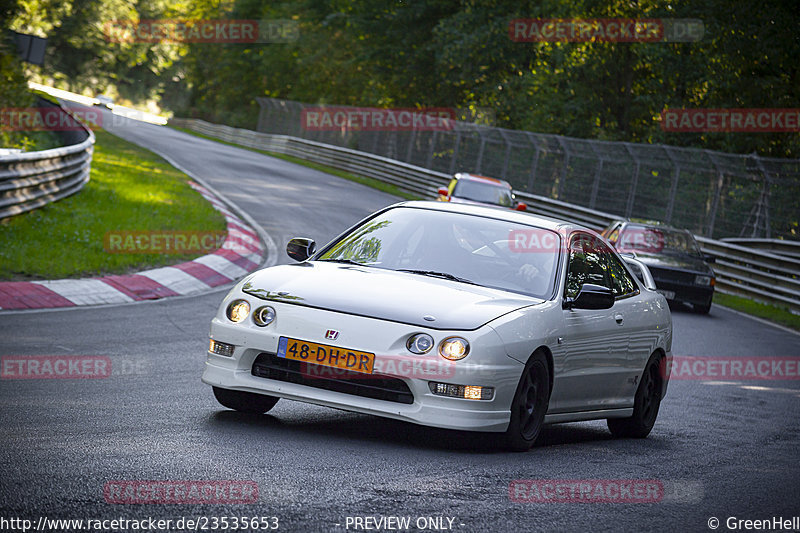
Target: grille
(333, 379)
(673, 276)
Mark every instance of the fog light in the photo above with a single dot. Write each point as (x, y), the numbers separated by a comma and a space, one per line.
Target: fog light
(263, 316)
(220, 348)
(420, 343)
(468, 392)
(238, 310)
(454, 348)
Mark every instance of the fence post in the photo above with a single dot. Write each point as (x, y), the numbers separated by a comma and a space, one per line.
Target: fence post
(712, 217)
(763, 200)
(534, 164)
(673, 188)
(434, 138)
(597, 173)
(634, 182)
(563, 177)
(507, 155)
(480, 155)
(455, 153)
(411, 141)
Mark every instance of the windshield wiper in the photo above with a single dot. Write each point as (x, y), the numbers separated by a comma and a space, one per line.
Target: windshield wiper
(344, 261)
(436, 274)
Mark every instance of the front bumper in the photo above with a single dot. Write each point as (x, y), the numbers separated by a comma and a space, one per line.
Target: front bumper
(688, 293)
(487, 365)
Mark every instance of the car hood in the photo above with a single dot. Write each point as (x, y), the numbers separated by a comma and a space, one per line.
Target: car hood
(675, 262)
(384, 294)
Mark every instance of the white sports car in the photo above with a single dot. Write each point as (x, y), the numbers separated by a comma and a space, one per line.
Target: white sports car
(450, 315)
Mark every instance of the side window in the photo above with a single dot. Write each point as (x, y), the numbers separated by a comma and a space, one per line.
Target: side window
(621, 282)
(587, 264)
(613, 235)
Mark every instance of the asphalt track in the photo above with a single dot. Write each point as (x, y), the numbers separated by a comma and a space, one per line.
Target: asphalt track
(720, 448)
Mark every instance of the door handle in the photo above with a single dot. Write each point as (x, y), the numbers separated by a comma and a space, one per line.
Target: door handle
(619, 319)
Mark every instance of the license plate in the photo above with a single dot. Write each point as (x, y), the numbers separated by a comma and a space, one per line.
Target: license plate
(325, 355)
(669, 295)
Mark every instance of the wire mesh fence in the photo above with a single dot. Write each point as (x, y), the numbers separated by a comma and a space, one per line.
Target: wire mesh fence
(710, 193)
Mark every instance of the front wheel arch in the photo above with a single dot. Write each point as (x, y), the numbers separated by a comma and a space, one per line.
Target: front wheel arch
(530, 404)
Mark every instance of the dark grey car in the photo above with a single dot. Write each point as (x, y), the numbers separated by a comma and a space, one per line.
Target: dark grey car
(679, 268)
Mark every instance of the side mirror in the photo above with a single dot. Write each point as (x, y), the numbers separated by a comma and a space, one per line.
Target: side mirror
(301, 248)
(443, 191)
(591, 296)
(709, 259)
(521, 206)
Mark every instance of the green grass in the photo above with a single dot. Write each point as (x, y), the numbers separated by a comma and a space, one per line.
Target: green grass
(779, 315)
(369, 182)
(131, 189)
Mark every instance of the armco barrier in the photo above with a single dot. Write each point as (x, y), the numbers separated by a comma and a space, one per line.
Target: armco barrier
(754, 274)
(30, 180)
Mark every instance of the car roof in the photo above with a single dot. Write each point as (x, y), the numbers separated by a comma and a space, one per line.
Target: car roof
(499, 213)
(482, 179)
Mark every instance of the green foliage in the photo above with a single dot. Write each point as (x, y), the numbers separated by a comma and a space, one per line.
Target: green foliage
(449, 53)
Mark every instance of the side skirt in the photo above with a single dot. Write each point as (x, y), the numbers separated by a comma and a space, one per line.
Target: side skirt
(588, 415)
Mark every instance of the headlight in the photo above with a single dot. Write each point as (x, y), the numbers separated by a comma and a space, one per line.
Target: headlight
(702, 280)
(420, 343)
(454, 348)
(238, 310)
(263, 316)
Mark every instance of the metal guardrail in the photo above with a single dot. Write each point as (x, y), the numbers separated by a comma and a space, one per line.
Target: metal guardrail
(30, 180)
(755, 274)
(778, 246)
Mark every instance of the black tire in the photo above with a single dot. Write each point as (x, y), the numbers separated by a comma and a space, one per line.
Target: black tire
(703, 309)
(529, 405)
(245, 402)
(645, 404)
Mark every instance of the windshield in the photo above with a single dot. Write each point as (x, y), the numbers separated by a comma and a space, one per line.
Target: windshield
(648, 239)
(461, 248)
(487, 193)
